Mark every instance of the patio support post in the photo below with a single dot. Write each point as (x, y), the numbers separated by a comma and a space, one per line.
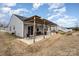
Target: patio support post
(34, 34)
(44, 29)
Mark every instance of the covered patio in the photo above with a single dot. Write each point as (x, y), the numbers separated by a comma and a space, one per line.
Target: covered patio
(34, 23)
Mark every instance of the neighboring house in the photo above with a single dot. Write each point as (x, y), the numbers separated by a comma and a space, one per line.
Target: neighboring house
(25, 27)
(64, 29)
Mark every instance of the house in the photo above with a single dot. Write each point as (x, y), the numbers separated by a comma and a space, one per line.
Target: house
(64, 29)
(32, 26)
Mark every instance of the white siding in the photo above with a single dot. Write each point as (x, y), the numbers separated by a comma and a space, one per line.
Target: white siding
(25, 30)
(18, 24)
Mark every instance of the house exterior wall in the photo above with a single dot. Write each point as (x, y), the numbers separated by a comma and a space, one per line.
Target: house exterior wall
(39, 26)
(25, 30)
(16, 26)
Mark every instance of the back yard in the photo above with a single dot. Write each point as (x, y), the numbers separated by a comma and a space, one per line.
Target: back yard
(56, 45)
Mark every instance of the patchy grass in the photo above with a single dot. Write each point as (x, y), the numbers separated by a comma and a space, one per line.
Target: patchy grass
(6, 40)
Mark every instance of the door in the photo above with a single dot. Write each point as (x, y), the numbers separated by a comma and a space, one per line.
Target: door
(30, 30)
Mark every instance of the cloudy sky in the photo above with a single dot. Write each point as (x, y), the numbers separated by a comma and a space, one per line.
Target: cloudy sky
(66, 15)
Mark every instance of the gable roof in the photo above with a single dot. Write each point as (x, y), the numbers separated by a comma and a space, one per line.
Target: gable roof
(21, 17)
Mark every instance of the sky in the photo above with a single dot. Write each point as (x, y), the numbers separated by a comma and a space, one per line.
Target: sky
(63, 14)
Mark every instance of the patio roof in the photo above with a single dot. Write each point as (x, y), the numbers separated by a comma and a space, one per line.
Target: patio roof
(39, 20)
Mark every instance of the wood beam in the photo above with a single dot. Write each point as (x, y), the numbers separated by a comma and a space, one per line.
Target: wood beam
(34, 31)
(44, 29)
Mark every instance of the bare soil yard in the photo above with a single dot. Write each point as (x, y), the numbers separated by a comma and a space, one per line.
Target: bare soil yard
(56, 45)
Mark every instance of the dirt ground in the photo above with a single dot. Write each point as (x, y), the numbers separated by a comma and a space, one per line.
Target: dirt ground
(56, 45)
